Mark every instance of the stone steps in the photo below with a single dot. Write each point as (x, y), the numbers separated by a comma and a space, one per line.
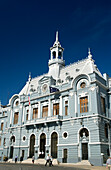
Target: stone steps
(83, 162)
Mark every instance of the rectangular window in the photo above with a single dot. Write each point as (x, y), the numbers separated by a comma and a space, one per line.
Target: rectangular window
(0, 141)
(4, 141)
(27, 115)
(84, 104)
(66, 108)
(35, 113)
(2, 126)
(44, 111)
(103, 105)
(56, 109)
(16, 117)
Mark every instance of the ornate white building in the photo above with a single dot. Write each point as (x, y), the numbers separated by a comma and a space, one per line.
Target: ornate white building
(65, 112)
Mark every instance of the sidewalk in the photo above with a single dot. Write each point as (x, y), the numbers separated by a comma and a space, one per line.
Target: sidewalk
(88, 167)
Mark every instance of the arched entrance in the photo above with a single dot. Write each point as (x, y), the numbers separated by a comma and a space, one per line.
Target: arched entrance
(54, 142)
(32, 143)
(12, 141)
(84, 139)
(42, 145)
(11, 152)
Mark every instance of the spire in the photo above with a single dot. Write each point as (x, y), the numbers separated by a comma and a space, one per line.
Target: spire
(29, 77)
(57, 36)
(89, 54)
(56, 43)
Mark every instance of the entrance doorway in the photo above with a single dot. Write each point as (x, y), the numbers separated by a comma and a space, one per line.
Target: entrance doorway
(42, 145)
(11, 152)
(54, 142)
(65, 156)
(84, 151)
(32, 143)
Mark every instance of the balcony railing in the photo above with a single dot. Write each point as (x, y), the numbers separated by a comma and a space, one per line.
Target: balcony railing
(55, 118)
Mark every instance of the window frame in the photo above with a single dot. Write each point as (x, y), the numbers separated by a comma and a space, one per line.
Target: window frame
(35, 113)
(44, 111)
(84, 104)
(16, 118)
(55, 109)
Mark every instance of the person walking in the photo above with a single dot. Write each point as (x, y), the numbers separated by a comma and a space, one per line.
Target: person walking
(50, 162)
(33, 159)
(16, 158)
(108, 163)
(47, 160)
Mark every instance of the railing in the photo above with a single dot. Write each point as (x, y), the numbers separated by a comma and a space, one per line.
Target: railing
(44, 120)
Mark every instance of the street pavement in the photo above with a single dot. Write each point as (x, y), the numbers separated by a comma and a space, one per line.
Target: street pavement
(18, 166)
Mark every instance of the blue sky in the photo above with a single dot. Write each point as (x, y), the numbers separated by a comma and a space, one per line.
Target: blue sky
(27, 31)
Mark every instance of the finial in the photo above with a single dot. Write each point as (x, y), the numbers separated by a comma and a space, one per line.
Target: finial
(29, 77)
(89, 54)
(57, 36)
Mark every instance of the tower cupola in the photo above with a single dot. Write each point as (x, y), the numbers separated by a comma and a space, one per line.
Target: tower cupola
(56, 61)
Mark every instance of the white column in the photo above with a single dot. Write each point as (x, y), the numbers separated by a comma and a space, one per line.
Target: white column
(29, 112)
(89, 101)
(49, 108)
(75, 102)
(11, 116)
(23, 114)
(61, 105)
(39, 109)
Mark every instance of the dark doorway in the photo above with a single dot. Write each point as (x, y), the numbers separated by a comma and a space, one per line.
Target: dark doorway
(11, 152)
(42, 145)
(32, 143)
(84, 151)
(54, 142)
(65, 156)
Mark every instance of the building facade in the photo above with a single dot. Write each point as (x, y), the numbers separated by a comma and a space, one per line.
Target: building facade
(65, 113)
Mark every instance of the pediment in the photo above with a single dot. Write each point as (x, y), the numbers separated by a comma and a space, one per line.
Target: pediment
(44, 79)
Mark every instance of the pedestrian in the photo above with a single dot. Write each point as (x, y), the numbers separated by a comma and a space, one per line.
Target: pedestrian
(16, 158)
(21, 158)
(33, 159)
(108, 163)
(47, 160)
(50, 164)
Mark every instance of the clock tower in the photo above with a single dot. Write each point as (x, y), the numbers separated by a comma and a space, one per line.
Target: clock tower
(56, 62)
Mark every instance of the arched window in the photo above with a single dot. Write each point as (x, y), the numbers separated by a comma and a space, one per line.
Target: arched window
(84, 132)
(12, 139)
(42, 145)
(59, 54)
(54, 142)
(32, 143)
(54, 54)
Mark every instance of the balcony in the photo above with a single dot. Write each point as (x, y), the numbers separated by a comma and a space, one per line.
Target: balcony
(56, 118)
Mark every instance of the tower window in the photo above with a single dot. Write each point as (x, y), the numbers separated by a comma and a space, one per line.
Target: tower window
(59, 54)
(27, 115)
(82, 85)
(83, 104)
(16, 117)
(66, 108)
(54, 54)
(103, 105)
